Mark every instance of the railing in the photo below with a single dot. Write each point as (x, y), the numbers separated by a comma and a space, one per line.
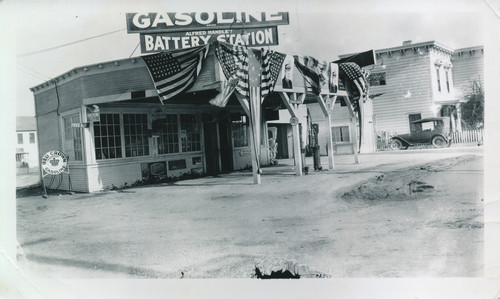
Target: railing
(471, 136)
(383, 140)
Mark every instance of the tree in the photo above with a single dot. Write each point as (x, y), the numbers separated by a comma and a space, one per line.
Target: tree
(473, 109)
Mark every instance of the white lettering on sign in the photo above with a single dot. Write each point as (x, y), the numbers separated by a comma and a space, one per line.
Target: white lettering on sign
(169, 21)
(141, 21)
(176, 40)
(54, 162)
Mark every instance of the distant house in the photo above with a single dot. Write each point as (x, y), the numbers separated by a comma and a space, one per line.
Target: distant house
(409, 82)
(468, 66)
(26, 144)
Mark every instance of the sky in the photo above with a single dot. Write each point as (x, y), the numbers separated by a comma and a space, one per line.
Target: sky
(48, 34)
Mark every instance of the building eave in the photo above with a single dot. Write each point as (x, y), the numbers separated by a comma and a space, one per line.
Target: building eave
(84, 70)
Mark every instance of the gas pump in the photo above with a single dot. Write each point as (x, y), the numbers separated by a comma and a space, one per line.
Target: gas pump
(314, 144)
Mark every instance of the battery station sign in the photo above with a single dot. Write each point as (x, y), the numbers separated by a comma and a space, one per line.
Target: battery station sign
(171, 31)
(180, 40)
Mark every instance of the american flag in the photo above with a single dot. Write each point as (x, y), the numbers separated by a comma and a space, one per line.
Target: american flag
(234, 62)
(357, 75)
(312, 70)
(271, 67)
(226, 90)
(176, 71)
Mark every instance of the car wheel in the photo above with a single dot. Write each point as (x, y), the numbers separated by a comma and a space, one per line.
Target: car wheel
(396, 144)
(439, 141)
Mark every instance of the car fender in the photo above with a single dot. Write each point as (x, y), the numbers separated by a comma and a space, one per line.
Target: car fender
(404, 141)
(447, 138)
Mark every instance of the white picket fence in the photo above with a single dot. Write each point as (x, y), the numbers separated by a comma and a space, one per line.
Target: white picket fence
(470, 136)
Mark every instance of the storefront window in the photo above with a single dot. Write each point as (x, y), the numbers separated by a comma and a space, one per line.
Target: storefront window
(340, 134)
(72, 138)
(135, 128)
(240, 129)
(167, 130)
(190, 133)
(107, 137)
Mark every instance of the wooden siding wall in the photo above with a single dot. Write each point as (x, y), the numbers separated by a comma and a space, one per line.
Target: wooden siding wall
(117, 173)
(444, 95)
(69, 93)
(117, 82)
(49, 138)
(405, 72)
(466, 68)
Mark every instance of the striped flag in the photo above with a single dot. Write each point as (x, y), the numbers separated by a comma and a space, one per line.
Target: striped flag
(357, 75)
(313, 71)
(226, 90)
(234, 62)
(176, 71)
(271, 67)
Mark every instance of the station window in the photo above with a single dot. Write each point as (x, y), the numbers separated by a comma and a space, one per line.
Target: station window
(178, 133)
(447, 81)
(376, 79)
(32, 137)
(135, 132)
(438, 74)
(107, 137)
(168, 132)
(340, 134)
(19, 138)
(72, 138)
(190, 133)
(240, 131)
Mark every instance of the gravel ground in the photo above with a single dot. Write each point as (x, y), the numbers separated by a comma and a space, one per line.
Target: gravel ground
(420, 218)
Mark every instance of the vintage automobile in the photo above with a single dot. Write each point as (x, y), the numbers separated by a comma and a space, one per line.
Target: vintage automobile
(434, 130)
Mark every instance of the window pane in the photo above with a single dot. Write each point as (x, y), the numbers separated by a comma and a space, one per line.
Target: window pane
(136, 138)
(239, 132)
(190, 132)
(168, 131)
(107, 137)
(72, 145)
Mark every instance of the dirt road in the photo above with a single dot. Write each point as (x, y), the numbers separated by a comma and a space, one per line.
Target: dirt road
(424, 220)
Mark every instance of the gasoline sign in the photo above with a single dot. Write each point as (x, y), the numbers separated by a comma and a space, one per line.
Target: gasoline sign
(54, 162)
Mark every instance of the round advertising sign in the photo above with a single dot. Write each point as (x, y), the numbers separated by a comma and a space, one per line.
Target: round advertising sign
(54, 162)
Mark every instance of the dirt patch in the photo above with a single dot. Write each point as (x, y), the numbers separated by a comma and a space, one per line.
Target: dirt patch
(404, 184)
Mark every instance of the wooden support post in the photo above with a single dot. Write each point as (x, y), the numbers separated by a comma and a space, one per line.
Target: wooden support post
(354, 130)
(327, 108)
(293, 109)
(255, 166)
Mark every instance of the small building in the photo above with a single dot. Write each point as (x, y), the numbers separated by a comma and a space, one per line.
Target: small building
(26, 144)
(135, 136)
